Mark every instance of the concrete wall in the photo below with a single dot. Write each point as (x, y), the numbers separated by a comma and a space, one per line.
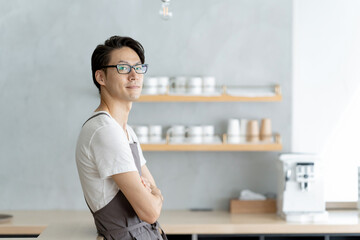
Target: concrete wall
(46, 92)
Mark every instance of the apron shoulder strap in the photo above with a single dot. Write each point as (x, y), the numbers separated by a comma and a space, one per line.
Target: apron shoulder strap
(136, 156)
(102, 113)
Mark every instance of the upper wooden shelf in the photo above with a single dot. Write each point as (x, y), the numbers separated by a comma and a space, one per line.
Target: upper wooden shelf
(221, 147)
(223, 97)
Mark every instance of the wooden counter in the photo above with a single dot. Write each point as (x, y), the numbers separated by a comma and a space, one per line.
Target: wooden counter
(221, 222)
(50, 224)
(79, 224)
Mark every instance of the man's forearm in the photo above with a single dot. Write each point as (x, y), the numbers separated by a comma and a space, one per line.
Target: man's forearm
(159, 198)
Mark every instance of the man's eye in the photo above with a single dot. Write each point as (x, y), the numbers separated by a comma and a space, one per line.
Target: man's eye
(123, 68)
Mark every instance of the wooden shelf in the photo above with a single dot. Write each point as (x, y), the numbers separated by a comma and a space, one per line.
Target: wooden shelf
(212, 147)
(223, 147)
(224, 97)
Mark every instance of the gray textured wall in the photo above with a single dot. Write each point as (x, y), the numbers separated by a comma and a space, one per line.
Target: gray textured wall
(46, 92)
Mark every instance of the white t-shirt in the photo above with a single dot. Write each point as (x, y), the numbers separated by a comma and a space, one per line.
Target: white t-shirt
(103, 150)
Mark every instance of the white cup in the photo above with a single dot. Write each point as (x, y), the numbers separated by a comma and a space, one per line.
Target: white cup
(150, 90)
(194, 90)
(179, 84)
(233, 128)
(195, 139)
(155, 130)
(151, 82)
(194, 134)
(208, 133)
(163, 84)
(142, 133)
(234, 139)
(194, 131)
(141, 130)
(155, 133)
(209, 84)
(194, 85)
(150, 86)
(143, 139)
(243, 129)
(176, 133)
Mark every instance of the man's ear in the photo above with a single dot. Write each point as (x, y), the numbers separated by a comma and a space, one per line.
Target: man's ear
(100, 77)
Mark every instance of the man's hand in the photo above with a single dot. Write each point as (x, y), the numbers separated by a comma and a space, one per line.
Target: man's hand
(155, 191)
(152, 188)
(146, 183)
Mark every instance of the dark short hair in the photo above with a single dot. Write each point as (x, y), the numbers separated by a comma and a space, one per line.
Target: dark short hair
(101, 54)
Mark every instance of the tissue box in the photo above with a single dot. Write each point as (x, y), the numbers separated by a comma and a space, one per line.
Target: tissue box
(253, 206)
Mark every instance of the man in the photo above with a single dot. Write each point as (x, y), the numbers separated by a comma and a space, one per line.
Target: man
(118, 187)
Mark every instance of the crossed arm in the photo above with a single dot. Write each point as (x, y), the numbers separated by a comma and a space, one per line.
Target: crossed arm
(142, 193)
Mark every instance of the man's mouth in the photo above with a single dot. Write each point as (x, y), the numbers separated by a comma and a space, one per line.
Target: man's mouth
(133, 87)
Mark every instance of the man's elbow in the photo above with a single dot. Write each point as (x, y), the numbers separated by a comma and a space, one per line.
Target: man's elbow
(151, 217)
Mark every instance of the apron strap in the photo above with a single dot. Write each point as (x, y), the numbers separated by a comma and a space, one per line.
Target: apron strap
(102, 113)
(135, 153)
(107, 234)
(156, 226)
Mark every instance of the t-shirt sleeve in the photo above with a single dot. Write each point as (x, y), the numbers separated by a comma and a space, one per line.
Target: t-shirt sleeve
(135, 138)
(111, 152)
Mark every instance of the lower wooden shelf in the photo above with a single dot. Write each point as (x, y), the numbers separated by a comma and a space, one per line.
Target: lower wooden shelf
(222, 147)
(212, 147)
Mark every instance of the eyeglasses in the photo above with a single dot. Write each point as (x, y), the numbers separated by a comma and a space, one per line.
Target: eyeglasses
(126, 68)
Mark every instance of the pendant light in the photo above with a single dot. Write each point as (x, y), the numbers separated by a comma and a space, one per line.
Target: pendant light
(165, 12)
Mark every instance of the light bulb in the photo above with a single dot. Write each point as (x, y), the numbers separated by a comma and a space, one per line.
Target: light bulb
(165, 12)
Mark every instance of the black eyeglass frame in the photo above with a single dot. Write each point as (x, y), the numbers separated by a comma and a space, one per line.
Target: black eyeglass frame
(130, 67)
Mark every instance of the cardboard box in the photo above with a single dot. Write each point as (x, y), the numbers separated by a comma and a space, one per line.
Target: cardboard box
(253, 206)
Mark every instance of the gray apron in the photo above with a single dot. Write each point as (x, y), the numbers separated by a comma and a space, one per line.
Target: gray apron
(118, 220)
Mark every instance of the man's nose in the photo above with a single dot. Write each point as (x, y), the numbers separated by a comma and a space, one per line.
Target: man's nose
(132, 74)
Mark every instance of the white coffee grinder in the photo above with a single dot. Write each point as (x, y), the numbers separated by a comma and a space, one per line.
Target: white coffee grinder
(301, 188)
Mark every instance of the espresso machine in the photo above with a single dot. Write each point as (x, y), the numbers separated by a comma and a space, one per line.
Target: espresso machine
(301, 188)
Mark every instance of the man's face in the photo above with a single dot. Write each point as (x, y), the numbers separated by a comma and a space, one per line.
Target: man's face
(123, 86)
